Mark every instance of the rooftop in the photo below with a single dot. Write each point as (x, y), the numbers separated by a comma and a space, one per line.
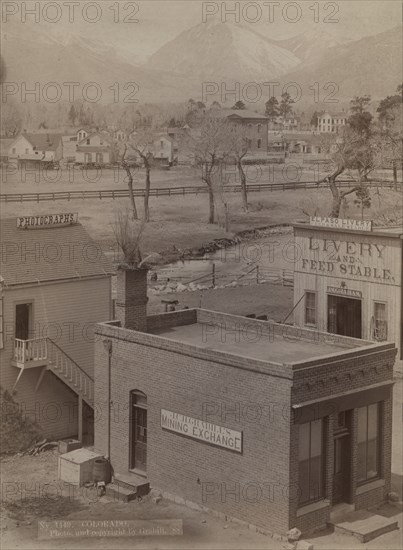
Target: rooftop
(240, 341)
(43, 142)
(50, 253)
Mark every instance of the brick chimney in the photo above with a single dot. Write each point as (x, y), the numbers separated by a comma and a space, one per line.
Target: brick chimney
(131, 300)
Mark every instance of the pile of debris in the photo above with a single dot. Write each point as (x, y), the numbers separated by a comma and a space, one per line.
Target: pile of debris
(39, 447)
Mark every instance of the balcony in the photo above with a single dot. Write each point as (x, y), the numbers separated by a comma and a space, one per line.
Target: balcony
(30, 353)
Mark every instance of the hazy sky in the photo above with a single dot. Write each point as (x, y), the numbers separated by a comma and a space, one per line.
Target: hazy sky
(162, 20)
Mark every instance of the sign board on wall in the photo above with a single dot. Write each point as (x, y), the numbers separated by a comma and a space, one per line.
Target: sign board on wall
(361, 258)
(203, 431)
(336, 223)
(47, 220)
(342, 291)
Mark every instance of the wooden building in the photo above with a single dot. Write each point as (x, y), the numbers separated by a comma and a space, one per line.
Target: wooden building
(348, 280)
(55, 285)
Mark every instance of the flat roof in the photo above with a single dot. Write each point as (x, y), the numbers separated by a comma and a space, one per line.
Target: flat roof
(269, 348)
(252, 339)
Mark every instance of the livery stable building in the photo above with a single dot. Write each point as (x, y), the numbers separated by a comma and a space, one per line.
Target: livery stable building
(348, 279)
(55, 286)
(270, 424)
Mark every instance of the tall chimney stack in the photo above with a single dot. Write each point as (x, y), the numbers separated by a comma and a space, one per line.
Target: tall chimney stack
(131, 299)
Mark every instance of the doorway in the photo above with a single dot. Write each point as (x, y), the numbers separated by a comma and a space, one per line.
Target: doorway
(138, 431)
(342, 459)
(23, 321)
(344, 316)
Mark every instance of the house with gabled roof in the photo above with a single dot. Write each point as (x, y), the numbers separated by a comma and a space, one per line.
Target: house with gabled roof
(36, 148)
(95, 148)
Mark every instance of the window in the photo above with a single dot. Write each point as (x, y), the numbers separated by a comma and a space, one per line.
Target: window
(259, 143)
(368, 443)
(310, 308)
(380, 322)
(310, 461)
(259, 127)
(162, 144)
(88, 141)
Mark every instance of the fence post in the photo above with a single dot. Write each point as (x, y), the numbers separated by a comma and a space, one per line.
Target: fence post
(257, 274)
(213, 274)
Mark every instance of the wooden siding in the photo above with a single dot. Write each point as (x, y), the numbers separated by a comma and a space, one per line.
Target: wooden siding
(66, 312)
(381, 257)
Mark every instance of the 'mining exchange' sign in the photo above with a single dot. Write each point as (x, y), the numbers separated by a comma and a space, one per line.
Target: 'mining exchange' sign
(203, 431)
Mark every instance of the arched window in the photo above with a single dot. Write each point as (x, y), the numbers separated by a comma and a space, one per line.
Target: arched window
(138, 431)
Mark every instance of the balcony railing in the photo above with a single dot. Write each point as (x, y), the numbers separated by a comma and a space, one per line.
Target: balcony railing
(30, 352)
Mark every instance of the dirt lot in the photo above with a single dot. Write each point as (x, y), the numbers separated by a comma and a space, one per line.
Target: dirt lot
(275, 301)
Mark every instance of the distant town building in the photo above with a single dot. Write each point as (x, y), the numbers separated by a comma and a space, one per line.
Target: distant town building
(94, 148)
(5, 144)
(256, 125)
(36, 149)
(331, 122)
(163, 149)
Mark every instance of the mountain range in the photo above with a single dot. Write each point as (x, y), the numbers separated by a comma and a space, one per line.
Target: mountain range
(214, 52)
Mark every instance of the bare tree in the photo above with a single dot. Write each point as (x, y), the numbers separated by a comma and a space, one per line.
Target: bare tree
(238, 146)
(206, 146)
(128, 165)
(142, 143)
(128, 236)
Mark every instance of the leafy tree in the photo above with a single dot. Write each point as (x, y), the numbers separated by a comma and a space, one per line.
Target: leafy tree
(286, 103)
(272, 108)
(390, 132)
(239, 106)
(72, 115)
(314, 119)
(355, 149)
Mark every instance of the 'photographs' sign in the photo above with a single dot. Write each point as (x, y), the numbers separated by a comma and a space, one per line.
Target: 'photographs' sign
(47, 220)
(358, 225)
(204, 431)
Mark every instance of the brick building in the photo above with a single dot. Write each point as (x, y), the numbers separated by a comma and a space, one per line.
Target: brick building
(348, 279)
(271, 424)
(55, 286)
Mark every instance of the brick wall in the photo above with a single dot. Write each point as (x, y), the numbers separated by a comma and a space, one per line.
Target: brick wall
(260, 485)
(251, 486)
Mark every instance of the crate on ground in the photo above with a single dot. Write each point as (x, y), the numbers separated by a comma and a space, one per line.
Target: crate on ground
(76, 467)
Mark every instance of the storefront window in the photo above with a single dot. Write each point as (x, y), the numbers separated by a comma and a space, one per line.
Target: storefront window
(310, 308)
(368, 443)
(310, 461)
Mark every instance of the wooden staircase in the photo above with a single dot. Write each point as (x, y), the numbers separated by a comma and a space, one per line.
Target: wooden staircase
(45, 353)
(65, 368)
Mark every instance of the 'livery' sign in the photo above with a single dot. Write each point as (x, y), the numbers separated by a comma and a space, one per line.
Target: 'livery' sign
(342, 291)
(203, 431)
(336, 223)
(47, 220)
